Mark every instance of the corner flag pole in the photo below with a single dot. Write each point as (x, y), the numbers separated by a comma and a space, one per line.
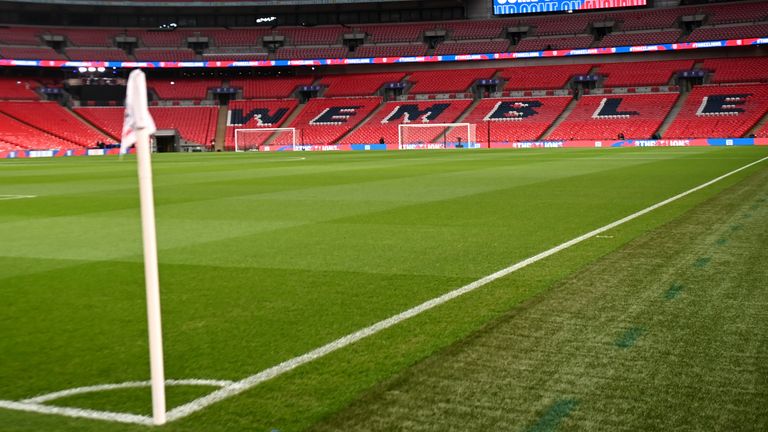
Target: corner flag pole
(137, 128)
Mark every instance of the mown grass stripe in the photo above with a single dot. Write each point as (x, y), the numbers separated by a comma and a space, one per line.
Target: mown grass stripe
(553, 416)
(630, 337)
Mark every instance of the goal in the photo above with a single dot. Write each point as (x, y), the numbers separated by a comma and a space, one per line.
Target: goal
(436, 135)
(254, 139)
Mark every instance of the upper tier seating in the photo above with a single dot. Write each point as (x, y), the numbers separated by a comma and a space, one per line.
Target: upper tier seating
(734, 70)
(650, 19)
(358, 84)
(476, 29)
(730, 32)
(161, 39)
(386, 121)
(555, 25)
(20, 36)
(168, 55)
(601, 117)
(270, 88)
(720, 111)
(391, 50)
(54, 119)
(394, 33)
(323, 121)
(447, 81)
(553, 43)
(320, 35)
(19, 135)
(288, 53)
(31, 53)
(644, 38)
(478, 47)
(515, 119)
(98, 54)
(17, 89)
(189, 89)
(236, 37)
(541, 77)
(91, 37)
(255, 114)
(737, 13)
(642, 73)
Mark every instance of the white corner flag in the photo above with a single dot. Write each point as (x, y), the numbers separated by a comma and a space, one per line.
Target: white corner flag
(137, 128)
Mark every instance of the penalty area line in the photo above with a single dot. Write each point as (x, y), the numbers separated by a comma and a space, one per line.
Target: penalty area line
(288, 365)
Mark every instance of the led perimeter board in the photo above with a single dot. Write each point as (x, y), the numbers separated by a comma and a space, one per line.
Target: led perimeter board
(508, 7)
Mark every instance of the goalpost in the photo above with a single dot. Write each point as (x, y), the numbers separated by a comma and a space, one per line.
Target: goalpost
(254, 139)
(436, 135)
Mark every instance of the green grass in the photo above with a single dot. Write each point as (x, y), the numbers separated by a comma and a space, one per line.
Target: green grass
(265, 257)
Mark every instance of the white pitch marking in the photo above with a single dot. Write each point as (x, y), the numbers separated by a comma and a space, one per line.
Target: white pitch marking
(234, 388)
(274, 371)
(13, 197)
(130, 384)
(77, 412)
(604, 236)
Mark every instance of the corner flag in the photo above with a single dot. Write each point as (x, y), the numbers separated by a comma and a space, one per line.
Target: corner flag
(137, 128)
(137, 115)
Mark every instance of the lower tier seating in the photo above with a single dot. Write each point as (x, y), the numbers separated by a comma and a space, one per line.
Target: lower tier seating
(605, 117)
(324, 121)
(720, 111)
(515, 119)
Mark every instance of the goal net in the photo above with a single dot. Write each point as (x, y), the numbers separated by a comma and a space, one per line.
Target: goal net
(436, 135)
(255, 139)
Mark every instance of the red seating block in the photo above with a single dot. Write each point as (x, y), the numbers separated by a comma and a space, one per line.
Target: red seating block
(31, 53)
(97, 54)
(51, 118)
(358, 84)
(246, 108)
(447, 81)
(270, 88)
(644, 38)
(515, 119)
(637, 116)
(720, 111)
(323, 121)
(734, 70)
(383, 124)
(17, 89)
(541, 77)
(184, 89)
(555, 43)
(169, 55)
(477, 47)
(642, 73)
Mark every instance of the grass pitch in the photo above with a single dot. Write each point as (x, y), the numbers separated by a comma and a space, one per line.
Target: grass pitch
(266, 257)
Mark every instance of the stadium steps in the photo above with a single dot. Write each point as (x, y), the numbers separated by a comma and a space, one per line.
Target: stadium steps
(221, 128)
(90, 125)
(758, 126)
(362, 123)
(564, 115)
(672, 114)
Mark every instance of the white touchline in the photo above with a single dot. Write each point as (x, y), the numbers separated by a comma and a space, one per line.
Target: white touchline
(229, 388)
(13, 197)
(274, 371)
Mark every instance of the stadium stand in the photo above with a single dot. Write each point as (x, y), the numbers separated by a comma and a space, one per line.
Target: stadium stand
(270, 88)
(320, 35)
(729, 32)
(394, 33)
(185, 89)
(106, 54)
(195, 124)
(650, 19)
(323, 121)
(515, 119)
(390, 50)
(87, 37)
(476, 29)
(642, 73)
(236, 37)
(357, 84)
(253, 114)
(473, 47)
(18, 135)
(447, 81)
(31, 53)
(605, 117)
(541, 77)
(553, 43)
(311, 52)
(20, 36)
(51, 118)
(640, 38)
(168, 55)
(734, 70)
(17, 89)
(384, 124)
(720, 111)
(737, 13)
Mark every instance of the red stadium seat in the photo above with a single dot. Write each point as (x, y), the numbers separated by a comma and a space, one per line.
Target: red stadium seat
(270, 88)
(515, 119)
(323, 121)
(541, 77)
(641, 73)
(358, 84)
(447, 81)
(243, 115)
